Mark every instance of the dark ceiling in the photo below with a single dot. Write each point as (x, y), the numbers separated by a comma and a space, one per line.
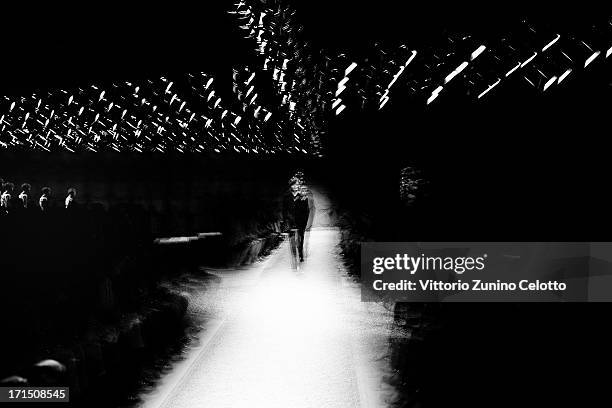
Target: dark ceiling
(63, 45)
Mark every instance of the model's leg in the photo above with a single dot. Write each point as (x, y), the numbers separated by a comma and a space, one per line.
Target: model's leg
(301, 243)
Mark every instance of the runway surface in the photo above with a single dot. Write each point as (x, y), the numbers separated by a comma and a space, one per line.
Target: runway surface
(279, 337)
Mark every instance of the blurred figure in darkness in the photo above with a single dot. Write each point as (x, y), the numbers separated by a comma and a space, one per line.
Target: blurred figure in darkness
(69, 202)
(24, 196)
(6, 199)
(302, 210)
(44, 202)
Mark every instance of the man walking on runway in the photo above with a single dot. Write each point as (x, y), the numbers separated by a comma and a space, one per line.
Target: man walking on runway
(302, 210)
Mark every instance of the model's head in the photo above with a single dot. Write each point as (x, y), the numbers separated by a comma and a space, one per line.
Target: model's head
(8, 187)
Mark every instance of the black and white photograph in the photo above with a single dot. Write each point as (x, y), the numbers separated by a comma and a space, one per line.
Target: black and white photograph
(305, 204)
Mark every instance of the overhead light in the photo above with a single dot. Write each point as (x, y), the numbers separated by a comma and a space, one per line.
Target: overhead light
(513, 69)
(483, 93)
(549, 82)
(456, 72)
(550, 44)
(563, 76)
(432, 98)
(434, 94)
(384, 102)
(350, 68)
(528, 60)
(477, 52)
(384, 95)
(414, 53)
(591, 58)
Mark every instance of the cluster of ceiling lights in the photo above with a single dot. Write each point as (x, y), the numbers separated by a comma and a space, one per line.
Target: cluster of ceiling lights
(476, 67)
(187, 114)
(161, 115)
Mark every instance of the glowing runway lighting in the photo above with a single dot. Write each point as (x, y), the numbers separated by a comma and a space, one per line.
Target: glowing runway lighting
(477, 52)
(549, 82)
(456, 72)
(336, 103)
(340, 109)
(483, 93)
(513, 69)
(563, 76)
(550, 44)
(340, 89)
(591, 58)
(350, 68)
(343, 82)
(528, 60)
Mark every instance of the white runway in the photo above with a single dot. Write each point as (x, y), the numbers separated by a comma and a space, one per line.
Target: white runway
(285, 338)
